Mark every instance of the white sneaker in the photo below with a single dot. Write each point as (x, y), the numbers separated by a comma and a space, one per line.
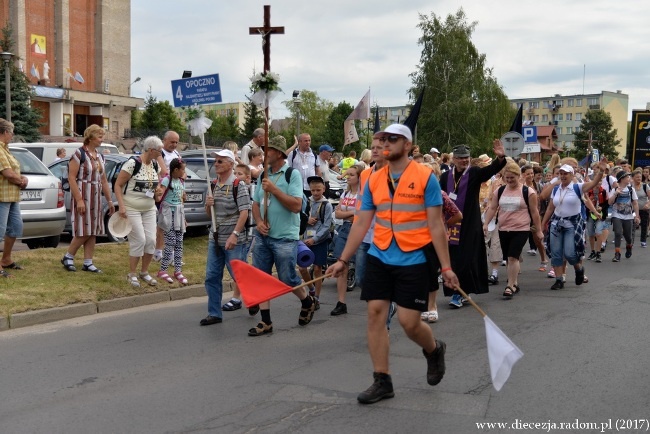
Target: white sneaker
(532, 252)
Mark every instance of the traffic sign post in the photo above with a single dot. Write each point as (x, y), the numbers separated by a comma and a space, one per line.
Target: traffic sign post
(196, 90)
(513, 143)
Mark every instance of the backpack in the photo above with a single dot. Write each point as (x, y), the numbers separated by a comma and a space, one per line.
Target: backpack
(576, 188)
(524, 192)
(321, 215)
(137, 167)
(293, 157)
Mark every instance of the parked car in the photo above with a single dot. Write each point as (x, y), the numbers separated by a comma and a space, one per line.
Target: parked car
(195, 188)
(41, 203)
(46, 152)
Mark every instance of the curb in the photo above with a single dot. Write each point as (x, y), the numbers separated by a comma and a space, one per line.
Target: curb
(25, 319)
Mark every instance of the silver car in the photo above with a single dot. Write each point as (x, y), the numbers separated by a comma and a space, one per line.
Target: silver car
(41, 203)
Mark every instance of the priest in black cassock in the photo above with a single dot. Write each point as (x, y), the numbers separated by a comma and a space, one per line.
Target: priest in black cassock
(466, 241)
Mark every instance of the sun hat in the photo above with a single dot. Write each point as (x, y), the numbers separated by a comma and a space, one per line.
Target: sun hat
(622, 174)
(223, 153)
(278, 143)
(118, 226)
(398, 129)
(485, 159)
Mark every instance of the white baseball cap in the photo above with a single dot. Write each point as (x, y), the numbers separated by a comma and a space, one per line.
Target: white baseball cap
(398, 129)
(434, 150)
(223, 153)
(566, 168)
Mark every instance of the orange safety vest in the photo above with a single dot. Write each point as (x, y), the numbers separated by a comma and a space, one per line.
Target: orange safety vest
(403, 216)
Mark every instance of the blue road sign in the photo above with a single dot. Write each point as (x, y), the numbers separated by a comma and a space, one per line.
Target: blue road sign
(196, 90)
(530, 134)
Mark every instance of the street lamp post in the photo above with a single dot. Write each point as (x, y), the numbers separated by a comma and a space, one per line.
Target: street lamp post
(134, 81)
(6, 58)
(296, 103)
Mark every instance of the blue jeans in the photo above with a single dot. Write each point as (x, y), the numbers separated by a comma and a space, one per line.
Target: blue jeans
(281, 252)
(214, 273)
(11, 222)
(360, 263)
(562, 245)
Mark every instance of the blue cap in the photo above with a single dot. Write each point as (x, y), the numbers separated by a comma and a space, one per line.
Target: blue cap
(326, 148)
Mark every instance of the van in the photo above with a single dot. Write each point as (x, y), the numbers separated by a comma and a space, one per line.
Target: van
(46, 152)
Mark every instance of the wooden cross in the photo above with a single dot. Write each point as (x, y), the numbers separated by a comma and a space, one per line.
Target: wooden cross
(266, 31)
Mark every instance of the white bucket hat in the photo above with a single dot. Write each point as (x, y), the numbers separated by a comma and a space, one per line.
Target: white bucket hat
(119, 227)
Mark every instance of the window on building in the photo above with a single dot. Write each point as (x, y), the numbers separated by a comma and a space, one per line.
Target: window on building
(576, 130)
(569, 130)
(569, 145)
(558, 103)
(533, 104)
(544, 118)
(534, 118)
(579, 103)
(569, 116)
(558, 117)
(578, 116)
(394, 112)
(592, 101)
(570, 103)
(558, 130)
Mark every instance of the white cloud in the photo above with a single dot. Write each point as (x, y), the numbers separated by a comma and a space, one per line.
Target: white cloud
(340, 48)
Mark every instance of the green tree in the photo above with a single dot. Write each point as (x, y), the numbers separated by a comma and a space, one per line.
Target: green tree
(463, 102)
(253, 119)
(223, 128)
(600, 124)
(334, 126)
(313, 111)
(159, 116)
(26, 119)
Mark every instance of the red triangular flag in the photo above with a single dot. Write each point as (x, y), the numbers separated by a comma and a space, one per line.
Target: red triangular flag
(255, 285)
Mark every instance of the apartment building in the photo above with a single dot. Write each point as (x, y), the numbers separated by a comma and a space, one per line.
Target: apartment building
(565, 112)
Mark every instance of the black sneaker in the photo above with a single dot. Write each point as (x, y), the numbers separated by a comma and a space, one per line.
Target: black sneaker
(592, 255)
(493, 280)
(628, 251)
(617, 257)
(382, 388)
(317, 301)
(598, 257)
(436, 363)
(558, 284)
(580, 276)
(340, 309)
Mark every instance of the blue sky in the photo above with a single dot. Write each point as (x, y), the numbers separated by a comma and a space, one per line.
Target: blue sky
(341, 48)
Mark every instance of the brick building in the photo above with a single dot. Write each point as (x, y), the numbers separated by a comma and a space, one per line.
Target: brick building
(77, 55)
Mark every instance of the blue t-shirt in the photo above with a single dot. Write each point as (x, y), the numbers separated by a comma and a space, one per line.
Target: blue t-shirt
(394, 255)
(174, 195)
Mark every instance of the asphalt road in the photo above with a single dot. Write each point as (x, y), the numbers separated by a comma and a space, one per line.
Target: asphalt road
(154, 370)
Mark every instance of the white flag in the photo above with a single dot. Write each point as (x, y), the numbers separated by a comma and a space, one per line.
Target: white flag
(502, 353)
(78, 78)
(34, 72)
(362, 111)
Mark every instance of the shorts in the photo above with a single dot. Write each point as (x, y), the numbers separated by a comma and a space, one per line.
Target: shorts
(11, 221)
(513, 242)
(595, 227)
(408, 286)
(342, 238)
(320, 253)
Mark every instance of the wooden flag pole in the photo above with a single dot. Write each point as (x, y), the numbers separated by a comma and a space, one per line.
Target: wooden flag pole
(324, 276)
(474, 305)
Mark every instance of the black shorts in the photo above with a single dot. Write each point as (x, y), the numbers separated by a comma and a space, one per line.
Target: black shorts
(320, 253)
(513, 242)
(408, 286)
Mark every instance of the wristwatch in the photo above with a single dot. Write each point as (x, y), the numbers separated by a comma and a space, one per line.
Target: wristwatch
(236, 233)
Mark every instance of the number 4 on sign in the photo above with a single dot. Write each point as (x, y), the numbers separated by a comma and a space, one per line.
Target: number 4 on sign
(179, 94)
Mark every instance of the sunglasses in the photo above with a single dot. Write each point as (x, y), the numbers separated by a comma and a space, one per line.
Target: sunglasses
(221, 161)
(391, 139)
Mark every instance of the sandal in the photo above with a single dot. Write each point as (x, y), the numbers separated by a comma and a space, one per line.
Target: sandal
(424, 316)
(306, 314)
(13, 266)
(542, 266)
(432, 316)
(260, 329)
(181, 279)
(164, 276)
(3, 273)
(508, 292)
(231, 305)
(133, 280)
(68, 264)
(147, 278)
(91, 268)
(516, 290)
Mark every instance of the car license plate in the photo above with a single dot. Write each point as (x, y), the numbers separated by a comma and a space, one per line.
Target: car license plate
(194, 197)
(28, 195)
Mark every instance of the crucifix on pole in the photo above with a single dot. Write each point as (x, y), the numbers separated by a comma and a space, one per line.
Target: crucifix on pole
(266, 31)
